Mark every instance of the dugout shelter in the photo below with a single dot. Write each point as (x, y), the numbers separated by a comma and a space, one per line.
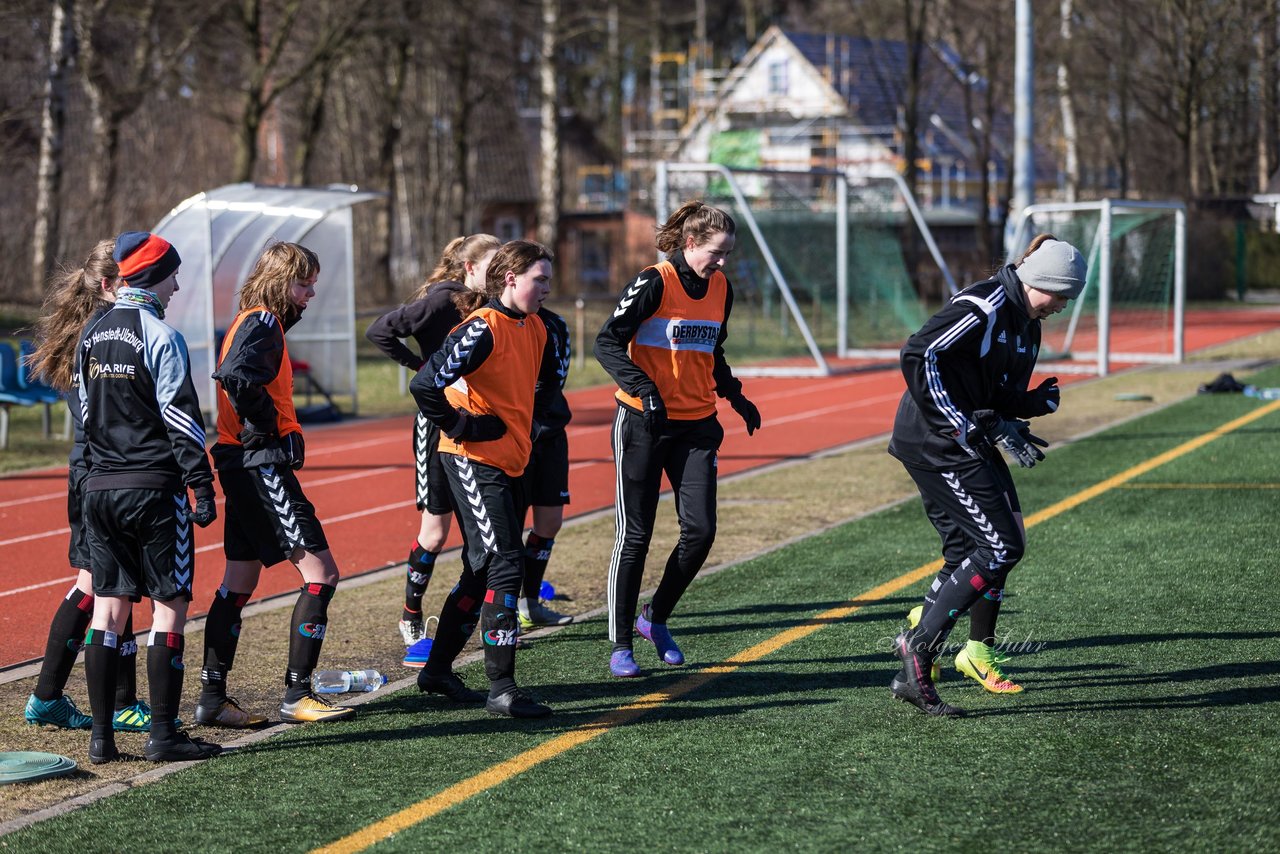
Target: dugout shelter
(220, 233)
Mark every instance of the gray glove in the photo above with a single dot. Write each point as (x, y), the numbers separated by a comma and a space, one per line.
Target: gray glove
(1014, 437)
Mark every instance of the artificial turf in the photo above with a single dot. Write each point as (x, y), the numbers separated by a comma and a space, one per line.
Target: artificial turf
(1142, 625)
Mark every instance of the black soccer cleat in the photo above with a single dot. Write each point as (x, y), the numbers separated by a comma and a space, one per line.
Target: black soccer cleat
(450, 686)
(914, 685)
(180, 748)
(102, 749)
(516, 704)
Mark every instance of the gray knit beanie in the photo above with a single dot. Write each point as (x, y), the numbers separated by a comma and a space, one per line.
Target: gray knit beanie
(1056, 267)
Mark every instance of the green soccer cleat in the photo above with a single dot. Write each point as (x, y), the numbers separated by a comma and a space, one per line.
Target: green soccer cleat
(981, 663)
(61, 712)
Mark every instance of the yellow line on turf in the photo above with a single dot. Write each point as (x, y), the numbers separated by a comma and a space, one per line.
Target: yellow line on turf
(503, 771)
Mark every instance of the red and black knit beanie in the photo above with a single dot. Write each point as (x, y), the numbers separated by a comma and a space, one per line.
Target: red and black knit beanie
(145, 259)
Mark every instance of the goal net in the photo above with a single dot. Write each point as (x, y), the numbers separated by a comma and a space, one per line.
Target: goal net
(1131, 310)
(818, 266)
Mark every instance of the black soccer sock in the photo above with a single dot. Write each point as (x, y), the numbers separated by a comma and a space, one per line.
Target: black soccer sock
(965, 586)
(940, 579)
(458, 620)
(537, 551)
(101, 661)
(983, 616)
(501, 630)
(66, 636)
(308, 626)
(421, 564)
(165, 670)
(127, 675)
(221, 637)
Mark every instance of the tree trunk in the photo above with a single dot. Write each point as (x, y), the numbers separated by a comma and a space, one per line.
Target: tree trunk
(1066, 103)
(52, 122)
(549, 138)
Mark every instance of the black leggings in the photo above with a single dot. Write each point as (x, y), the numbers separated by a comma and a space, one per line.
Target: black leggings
(686, 452)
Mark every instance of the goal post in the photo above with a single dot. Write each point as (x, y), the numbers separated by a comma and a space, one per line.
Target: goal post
(818, 267)
(1132, 309)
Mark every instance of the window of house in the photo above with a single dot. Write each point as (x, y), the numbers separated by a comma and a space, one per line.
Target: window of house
(778, 77)
(507, 228)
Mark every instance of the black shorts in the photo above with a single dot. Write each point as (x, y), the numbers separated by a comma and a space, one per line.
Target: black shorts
(430, 485)
(78, 549)
(267, 516)
(545, 482)
(140, 543)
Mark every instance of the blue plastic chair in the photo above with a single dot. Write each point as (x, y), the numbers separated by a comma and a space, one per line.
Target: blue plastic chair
(44, 393)
(11, 393)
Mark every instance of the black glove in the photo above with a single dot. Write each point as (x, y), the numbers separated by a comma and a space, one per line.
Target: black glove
(255, 438)
(746, 409)
(295, 449)
(476, 428)
(1013, 437)
(1047, 396)
(654, 413)
(206, 509)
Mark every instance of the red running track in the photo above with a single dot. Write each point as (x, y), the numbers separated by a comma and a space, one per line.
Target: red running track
(359, 476)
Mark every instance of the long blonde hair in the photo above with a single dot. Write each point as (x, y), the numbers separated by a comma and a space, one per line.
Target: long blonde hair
(694, 219)
(515, 256)
(452, 266)
(73, 297)
(280, 265)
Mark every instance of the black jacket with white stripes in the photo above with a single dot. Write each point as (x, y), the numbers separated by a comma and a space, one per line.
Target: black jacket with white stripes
(977, 352)
(430, 397)
(142, 423)
(639, 301)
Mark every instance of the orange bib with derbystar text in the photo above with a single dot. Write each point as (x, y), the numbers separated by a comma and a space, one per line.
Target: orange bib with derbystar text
(676, 346)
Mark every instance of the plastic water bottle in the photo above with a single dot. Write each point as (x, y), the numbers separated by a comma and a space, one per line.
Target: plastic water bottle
(1262, 393)
(345, 681)
(546, 591)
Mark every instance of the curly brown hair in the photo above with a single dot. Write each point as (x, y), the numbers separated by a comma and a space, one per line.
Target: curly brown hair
(280, 265)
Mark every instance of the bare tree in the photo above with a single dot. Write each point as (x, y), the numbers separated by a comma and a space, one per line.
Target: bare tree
(264, 79)
(1066, 104)
(117, 84)
(549, 136)
(52, 124)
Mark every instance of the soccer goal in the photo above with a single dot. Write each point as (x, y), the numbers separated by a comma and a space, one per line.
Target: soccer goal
(1132, 307)
(818, 268)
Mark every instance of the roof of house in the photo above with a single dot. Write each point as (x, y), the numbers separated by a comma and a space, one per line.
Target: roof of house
(869, 75)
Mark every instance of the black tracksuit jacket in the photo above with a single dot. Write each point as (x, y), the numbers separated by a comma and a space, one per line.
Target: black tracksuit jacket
(977, 352)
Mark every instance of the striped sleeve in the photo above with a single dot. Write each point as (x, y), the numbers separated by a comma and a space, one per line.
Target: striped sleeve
(179, 406)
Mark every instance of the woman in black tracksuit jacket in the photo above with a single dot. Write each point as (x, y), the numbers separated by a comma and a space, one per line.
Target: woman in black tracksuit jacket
(967, 372)
(664, 346)
(428, 318)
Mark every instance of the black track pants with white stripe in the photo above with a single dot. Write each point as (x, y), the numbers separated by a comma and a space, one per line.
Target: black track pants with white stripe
(686, 452)
(483, 500)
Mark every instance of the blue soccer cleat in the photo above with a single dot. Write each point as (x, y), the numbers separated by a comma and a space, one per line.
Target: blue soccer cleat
(61, 712)
(660, 636)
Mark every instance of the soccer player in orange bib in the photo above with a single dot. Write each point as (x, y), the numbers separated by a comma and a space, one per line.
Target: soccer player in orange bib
(664, 346)
(479, 389)
(269, 519)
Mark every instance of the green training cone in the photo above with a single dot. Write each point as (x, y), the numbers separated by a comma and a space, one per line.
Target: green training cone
(24, 766)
